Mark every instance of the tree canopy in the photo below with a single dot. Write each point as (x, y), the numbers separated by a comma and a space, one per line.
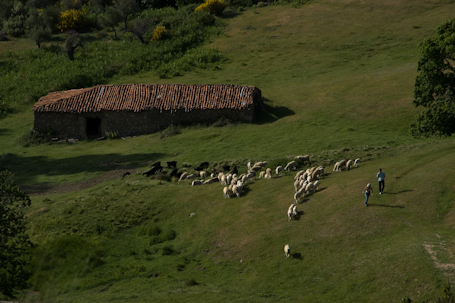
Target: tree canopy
(14, 242)
(435, 84)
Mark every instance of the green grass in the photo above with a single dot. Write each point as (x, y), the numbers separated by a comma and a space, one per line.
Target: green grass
(338, 80)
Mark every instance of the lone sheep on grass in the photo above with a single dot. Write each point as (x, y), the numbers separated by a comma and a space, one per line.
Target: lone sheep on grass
(287, 251)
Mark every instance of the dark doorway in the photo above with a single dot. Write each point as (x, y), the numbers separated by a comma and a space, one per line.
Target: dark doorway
(93, 129)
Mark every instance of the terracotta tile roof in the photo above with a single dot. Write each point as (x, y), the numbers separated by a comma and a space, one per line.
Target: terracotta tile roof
(141, 97)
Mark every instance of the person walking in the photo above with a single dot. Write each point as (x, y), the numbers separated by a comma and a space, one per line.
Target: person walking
(381, 177)
(368, 190)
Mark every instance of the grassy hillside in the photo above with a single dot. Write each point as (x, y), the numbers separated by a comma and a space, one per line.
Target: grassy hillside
(338, 79)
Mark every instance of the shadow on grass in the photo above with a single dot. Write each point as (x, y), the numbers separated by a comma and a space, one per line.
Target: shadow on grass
(272, 113)
(385, 205)
(297, 256)
(398, 192)
(28, 169)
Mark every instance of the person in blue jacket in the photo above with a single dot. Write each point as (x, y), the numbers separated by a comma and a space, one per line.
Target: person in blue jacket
(381, 177)
(368, 190)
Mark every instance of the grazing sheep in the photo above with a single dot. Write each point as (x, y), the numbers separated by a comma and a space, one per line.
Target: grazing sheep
(315, 185)
(296, 185)
(302, 158)
(209, 181)
(300, 194)
(226, 167)
(203, 174)
(234, 170)
(203, 165)
(290, 212)
(227, 193)
(291, 165)
(191, 176)
(197, 182)
(316, 173)
(268, 173)
(356, 162)
(173, 173)
(240, 185)
(287, 251)
(249, 166)
(153, 171)
(278, 170)
(298, 174)
(156, 164)
(349, 165)
(183, 176)
(294, 211)
(171, 164)
(251, 175)
(261, 174)
(244, 178)
(339, 165)
(236, 190)
(309, 187)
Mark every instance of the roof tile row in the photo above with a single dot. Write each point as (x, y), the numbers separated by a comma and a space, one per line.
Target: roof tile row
(141, 97)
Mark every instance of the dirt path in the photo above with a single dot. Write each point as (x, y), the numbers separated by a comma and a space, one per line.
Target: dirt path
(49, 188)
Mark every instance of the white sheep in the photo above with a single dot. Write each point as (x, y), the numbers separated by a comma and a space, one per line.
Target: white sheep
(236, 190)
(300, 194)
(279, 170)
(287, 251)
(298, 174)
(309, 187)
(251, 175)
(296, 185)
(249, 166)
(227, 193)
(183, 176)
(294, 211)
(197, 182)
(291, 165)
(339, 165)
(223, 180)
(349, 164)
(302, 158)
(203, 174)
(268, 173)
(316, 173)
(315, 185)
(262, 174)
(209, 181)
(356, 162)
(290, 212)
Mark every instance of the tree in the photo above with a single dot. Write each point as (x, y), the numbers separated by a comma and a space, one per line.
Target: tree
(38, 27)
(73, 42)
(14, 242)
(111, 18)
(140, 27)
(435, 84)
(126, 8)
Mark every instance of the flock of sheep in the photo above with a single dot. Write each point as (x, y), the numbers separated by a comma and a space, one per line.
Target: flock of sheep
(306, 181)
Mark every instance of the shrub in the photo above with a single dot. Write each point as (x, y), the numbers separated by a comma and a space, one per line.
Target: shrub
(167, 250)
(35, 137)
(72, 18)
(159, 33)
(172, 130)
(215, 7)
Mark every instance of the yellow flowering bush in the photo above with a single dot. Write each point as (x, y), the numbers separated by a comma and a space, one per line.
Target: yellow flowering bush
(72, 18)
(159, 33)
(215, 7)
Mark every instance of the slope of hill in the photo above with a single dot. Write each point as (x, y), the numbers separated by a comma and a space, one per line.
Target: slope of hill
(338, 79)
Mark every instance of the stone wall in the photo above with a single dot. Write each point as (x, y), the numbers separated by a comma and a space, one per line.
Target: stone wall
(127, 123)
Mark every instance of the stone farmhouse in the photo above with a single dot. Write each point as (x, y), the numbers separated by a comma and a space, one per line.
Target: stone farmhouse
(135, 109)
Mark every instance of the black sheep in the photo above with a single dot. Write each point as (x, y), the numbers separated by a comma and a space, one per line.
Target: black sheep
(156, 164)
(234, 170)
(226, 167)
(203, 165)
(173, 173)
(171, 164)
(153, 171)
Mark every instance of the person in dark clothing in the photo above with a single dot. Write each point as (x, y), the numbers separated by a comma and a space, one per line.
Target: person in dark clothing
(381, 177)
